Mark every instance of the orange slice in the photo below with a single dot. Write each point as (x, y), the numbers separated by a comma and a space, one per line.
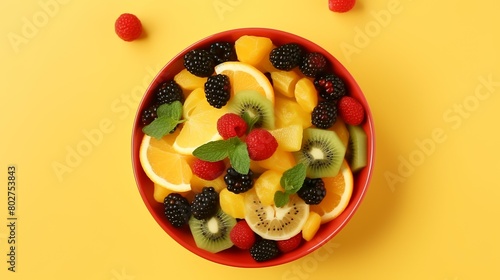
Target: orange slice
(243, 76)
(338, 194)
(163, 165)
(200, 124)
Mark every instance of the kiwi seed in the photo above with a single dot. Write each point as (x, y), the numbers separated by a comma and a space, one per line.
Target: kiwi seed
(322, 151)
(251, 105)
(212, 234)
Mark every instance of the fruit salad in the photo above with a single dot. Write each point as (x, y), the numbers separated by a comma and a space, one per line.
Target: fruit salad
(253, 145)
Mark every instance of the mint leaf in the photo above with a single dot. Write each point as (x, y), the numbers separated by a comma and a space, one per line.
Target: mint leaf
(172, 110)
(160, 127)
(281, 198)
(169, 116)
(238, 156)
(293, 178)
(213, 150)
(218, 150)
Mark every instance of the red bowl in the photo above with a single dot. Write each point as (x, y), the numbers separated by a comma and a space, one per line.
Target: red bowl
(233, 256)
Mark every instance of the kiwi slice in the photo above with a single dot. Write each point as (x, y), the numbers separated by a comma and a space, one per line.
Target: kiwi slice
(272, 222)
(212, 234)
(322, 151)
(254, 108)
(356, 148)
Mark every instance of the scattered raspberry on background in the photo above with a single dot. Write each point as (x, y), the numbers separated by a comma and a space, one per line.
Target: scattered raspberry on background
(351, 111)
(128, 27)
(261, 144)
(341, 6)
(208, 170)
(242, 235)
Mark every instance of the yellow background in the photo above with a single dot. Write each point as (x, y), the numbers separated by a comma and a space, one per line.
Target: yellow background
(430, 70)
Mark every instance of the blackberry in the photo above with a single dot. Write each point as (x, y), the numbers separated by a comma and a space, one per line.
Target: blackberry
(149, 114)
(312, 191)
(199, 62)
(313, 64)
(177, 209)
(222, 52)
(324, 115)
(330, 86)
(168, 92)
(287, 56)
(264, 250)
(205, 204)
(238, 183)
(217, 90)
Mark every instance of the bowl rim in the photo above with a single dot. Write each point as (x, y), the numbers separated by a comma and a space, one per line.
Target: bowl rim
(368, 126)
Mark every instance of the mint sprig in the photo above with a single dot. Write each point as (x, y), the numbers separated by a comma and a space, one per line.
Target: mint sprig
(169, 116)
(291, 181)
(234, 148)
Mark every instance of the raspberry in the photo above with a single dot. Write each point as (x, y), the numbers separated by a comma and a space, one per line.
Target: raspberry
(222, 52)
(324, 115)
(313, 64)
(351, 111)
(199, 62)
(208, 170)
(205, 204)
(231, 125)
(312, 191)
(217, 90)
(261, 144)
(287, 56)
(242, 235)
(238, 183)
(177, 209)
(128, 27)
(149, 114)
(168, 92)
(290, 244)
(330, 86)
(264, 250)
(341, 6)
